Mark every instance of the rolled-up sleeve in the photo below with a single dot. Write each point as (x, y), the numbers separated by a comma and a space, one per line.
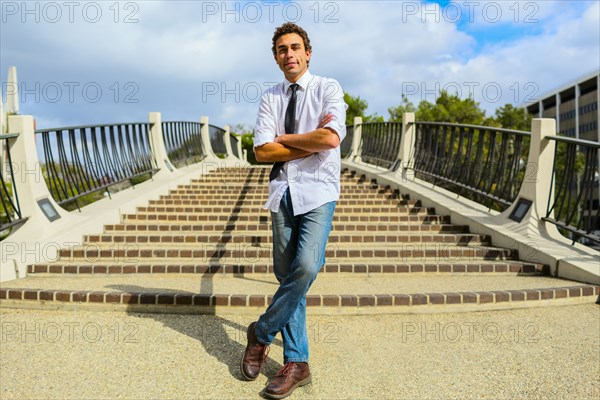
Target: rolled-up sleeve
(265, 122)
(335, 105)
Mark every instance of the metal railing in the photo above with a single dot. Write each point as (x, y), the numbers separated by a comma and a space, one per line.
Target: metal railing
(10, 215)
(484, 164)
(217, 141)
(346, 145)
(233, 140)
(380, 142)
(83, 160)
(576, 191)
(183, 142)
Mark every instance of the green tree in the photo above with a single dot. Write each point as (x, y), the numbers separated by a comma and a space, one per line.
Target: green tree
(450, 108)
(510, 117)
(396, 112)
(247, 136)
(357, 107)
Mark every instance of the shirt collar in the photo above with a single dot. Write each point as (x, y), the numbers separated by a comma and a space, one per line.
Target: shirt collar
(302, 82)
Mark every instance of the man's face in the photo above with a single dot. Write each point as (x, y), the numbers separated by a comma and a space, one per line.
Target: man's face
(291, 56)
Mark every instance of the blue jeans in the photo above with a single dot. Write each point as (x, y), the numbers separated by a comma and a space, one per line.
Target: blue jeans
(298, 254)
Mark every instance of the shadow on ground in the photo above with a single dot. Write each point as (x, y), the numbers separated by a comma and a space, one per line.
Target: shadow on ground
(222, 339)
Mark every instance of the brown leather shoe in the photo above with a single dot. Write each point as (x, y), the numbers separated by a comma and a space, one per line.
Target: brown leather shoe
(254, 356)
(291, 376)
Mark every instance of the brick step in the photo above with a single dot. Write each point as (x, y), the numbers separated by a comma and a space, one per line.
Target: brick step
(266, 226)
(264, 179)
(263, 217)
(192, 200)
(213, 181)
(234, 195)
(373, 199)
(197, 294)
(241, 176)
(257, 171)
(261, 175)
(238, 236)
(234, 188)
(242, 252)
(261, 184)
(262, 187)
(238, 190)
(356, 178)
(344, 209)
(374, 266)
(263, 169)
(266, 283)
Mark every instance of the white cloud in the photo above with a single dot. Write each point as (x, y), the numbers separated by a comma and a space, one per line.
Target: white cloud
(529, 66)
(487, 14)
(177, 53)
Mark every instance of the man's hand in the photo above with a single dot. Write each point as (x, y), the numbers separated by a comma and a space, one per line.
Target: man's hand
(326, 119)
(321, 139)
(271, 152)
(292, 147)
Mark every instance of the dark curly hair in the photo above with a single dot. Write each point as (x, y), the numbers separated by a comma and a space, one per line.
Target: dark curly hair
(290, 27)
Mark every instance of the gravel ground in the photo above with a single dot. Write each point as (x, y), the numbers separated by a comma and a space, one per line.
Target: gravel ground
(551, 352)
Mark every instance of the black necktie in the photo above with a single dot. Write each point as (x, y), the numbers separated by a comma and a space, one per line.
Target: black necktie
(290, 127)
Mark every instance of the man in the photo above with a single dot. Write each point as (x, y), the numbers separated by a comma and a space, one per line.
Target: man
(303, 189)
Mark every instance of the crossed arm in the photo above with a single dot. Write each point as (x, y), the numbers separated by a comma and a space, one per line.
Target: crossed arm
(292, 147)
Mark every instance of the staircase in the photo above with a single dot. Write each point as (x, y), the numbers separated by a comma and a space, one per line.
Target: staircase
(206, 247)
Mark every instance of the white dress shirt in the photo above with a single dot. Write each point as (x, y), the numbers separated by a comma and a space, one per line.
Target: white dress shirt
(313, 180)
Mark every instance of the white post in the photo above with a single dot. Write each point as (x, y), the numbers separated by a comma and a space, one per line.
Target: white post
(407, 145)
(227, 141)
(29, 179)
(205, 135)
(356, 139)
(10, 107)
(239, 149)
(12, 92)
(3, 124)
(3, 150)
(157, 143)
(537, 183)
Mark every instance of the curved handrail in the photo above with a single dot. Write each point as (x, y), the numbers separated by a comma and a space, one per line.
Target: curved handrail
(11, 215)
(80, 161)
(217, 141)
(573, 205)
(183, 142)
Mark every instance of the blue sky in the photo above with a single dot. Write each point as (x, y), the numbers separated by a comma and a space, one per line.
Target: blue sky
(107, 61)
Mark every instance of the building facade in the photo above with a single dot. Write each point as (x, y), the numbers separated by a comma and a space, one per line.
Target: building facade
(574, 106)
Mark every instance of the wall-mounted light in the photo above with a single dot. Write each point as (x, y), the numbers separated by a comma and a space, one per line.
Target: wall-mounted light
(48, 209)
(520, 210)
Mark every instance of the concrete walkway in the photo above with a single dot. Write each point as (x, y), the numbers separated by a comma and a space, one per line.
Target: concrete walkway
(551, 352)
